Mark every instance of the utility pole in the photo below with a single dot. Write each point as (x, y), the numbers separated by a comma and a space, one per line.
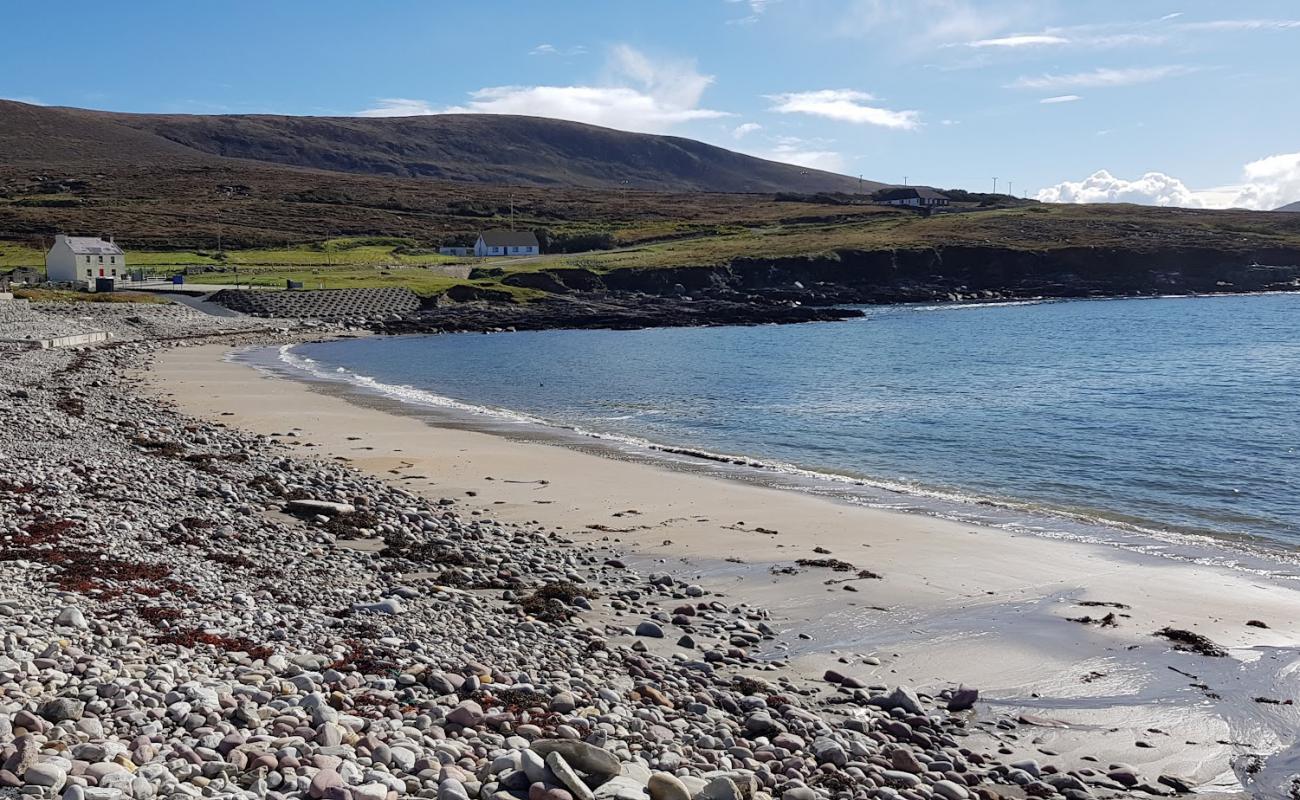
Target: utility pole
(512, 212)
(904, 180)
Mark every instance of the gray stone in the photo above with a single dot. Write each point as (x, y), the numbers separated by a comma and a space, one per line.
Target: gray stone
(829, 751)
(389, 605)
(467, 714)
(663, 786)
(950, 791)
(71, 617)
(563, 703)
(44, 774)
(62, 708)
(567, 777)
(1028, 765)
(534, 766)
(318, 507)
(650, 629)
(620, 788)
(720, 789)
(963, 699)
(324, 780)
(903, 759)
(26, 749)
(901, 697)
(583, 757)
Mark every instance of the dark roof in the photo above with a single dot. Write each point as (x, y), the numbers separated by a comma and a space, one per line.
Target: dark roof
(909, 192)
(505, 238)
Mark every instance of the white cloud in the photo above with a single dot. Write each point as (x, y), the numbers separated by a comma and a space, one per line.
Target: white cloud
(921, 24)
(1242, 25)
(641, 94)
(1153, 188)
(1100, 77)
(756, 9)
(828, 160)
(1267, 184)
(1020, 40)
(551, 50)
(811, 153)
(843, 105)
(1270, 182)
(741, 131)
(398, 107)
(1061, 98)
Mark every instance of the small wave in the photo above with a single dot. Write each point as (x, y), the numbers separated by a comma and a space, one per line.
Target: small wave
(959, 306)
(404, 393)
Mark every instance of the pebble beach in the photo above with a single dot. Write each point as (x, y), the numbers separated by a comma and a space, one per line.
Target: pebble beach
(196, 607)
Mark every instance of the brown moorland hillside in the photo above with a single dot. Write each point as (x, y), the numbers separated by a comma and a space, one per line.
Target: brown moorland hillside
(479, 148)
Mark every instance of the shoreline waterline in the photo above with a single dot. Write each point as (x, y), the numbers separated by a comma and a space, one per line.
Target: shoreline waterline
(1251, 554)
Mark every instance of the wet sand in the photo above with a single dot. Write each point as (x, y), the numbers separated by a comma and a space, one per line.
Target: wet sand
(955, 604)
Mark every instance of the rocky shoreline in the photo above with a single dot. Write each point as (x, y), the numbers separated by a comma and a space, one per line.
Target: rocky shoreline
(619, 312)
(193, 611)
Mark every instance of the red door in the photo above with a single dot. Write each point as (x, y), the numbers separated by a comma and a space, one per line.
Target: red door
(101, 272)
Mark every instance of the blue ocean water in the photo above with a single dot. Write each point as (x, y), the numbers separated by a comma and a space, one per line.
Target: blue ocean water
(1176, 415)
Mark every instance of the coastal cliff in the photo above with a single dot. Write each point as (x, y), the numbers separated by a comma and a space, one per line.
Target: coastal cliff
(907, 275)
(806, 289)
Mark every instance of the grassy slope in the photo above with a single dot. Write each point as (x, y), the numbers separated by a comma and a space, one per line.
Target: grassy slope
(67, 296)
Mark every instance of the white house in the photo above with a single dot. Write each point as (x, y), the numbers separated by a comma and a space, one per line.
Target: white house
(506, 243)
(910, 196)
(82, 259)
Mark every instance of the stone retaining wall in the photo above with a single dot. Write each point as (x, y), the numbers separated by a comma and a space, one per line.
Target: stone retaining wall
(320, 303)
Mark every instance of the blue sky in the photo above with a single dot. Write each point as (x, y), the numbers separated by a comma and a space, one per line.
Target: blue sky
(1188, 103)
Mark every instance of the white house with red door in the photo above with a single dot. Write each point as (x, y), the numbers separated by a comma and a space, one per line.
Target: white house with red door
(83, 259)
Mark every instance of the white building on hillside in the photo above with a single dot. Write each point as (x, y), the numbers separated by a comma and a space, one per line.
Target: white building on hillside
(83, 259)
(506, 243)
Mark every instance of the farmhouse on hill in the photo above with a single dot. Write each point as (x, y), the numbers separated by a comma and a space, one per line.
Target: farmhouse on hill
(910, 196)
(502, 242)
(84, 259)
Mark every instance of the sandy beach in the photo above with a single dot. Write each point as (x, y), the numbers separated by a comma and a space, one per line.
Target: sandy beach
(954, 604)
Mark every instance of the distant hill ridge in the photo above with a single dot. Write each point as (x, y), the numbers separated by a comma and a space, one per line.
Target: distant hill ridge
(481, 148)
(1290, 207)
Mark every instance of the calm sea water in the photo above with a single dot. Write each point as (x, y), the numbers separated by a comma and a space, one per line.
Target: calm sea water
(1177, 415)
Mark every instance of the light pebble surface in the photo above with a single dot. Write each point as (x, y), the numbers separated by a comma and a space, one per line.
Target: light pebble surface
(172, 626)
